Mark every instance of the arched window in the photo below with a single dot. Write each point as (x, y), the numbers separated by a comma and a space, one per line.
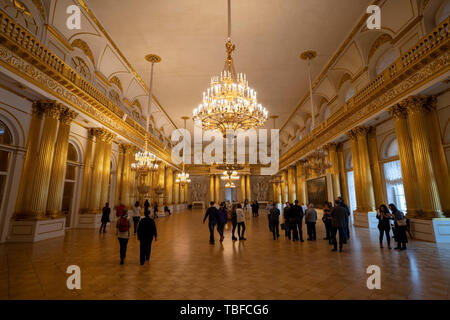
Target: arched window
(393, 174)
(5, 156)
(70, 183)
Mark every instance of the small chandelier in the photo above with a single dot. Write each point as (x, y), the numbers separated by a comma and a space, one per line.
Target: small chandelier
(229, 103)
(183, 178)
(317, 161)
(230, 175)
(230, 185)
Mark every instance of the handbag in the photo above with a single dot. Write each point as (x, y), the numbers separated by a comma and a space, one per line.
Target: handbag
(401, 223)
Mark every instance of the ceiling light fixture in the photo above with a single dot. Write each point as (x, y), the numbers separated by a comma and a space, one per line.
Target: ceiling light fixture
(229, 103)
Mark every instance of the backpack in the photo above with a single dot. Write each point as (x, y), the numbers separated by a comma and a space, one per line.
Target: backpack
(123, 224)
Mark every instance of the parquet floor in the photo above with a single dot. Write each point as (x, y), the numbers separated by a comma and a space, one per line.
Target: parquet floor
(185, 266)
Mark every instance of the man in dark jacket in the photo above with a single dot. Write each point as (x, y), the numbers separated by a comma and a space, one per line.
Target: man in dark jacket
(212, 214)
(338, 216)
(286, 216)
(274, 222)
(106, 211)
(296, 218)
(347, 219)
(146, 231)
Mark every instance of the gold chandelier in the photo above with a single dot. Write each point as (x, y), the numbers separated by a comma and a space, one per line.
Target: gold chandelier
(183, 178)
(317, 161)
(229, 103)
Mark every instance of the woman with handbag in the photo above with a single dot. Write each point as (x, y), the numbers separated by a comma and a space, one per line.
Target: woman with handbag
(384, 224)
(400, 227)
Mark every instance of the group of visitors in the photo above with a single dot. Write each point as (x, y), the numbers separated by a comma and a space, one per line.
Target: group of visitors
(218, 216)
(384, 217)
(144, 228)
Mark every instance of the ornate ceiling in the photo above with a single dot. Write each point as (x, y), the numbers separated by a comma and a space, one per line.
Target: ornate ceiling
(190, 38)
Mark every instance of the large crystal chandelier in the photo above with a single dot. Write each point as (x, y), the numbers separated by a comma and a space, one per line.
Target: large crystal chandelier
(317, 161)
(145, 161)
(229, 103)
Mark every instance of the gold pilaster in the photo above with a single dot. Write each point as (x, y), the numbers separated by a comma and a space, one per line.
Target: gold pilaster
(284, 192)
(431, 204)
(58, 172)
(84, 205)
(438, 156)
(366, 174)
(29, 165)
(248, 188)
(119, 174)
(356, 170)
(106, 169)
(243, 193)
(176, 190)
(37, 205)
(375, 167)
(169, 185)
(96, 179)
(291, 184)
(212, 188)
(407, 164)
(125, 188)
(334, 170)
(343, 175)
(217, 188)
(300, 182)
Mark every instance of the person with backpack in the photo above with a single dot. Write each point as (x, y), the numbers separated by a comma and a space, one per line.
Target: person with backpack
(119, 210)
(106, 211)
(146, 232)
(222, 220)
(123, 233)
(274, 221)
(212, 216)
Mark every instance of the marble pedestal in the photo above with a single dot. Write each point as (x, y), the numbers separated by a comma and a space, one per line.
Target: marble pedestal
(90, 220)
(434, 230)
(365, 219)
(36, 230)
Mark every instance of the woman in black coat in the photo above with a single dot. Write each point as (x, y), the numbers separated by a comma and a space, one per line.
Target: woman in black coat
(384, 224)
(400, 227)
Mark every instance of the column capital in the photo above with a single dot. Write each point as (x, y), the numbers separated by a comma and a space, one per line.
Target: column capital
(51, 109)
(362, 131)
(415, 104)
(38, 109)
(66, 115)
(330, 146)
(398, 111)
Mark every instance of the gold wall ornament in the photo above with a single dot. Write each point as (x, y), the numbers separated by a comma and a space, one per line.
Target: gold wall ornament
(117, 82)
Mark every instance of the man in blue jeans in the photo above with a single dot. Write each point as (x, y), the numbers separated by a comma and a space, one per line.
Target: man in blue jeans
(212, 214)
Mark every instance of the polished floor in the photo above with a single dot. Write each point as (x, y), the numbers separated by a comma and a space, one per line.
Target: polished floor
(185, 266)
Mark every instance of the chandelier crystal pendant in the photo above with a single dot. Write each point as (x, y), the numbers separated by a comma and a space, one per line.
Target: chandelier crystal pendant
(229, 103)
(145, 161)
(183, 176)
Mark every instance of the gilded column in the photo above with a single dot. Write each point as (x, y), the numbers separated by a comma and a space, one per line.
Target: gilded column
(343, 175)
(161, 184)
(84, 205)
(169, 185)
(119, 174)
(438, 156)
(334, 170)
(217, 188)
(284, 194)
(96, 179)
(248, 187)
(366, 174)
(29, 165)
(186, 193)
(39, 192)
(431, 204)
(356, 171)
(407, 164)
(375, 166)
(58, 172)
(275, 192)
(291, 184)
(106, 169)
(176, 191)
(300, 182)
(243, 193)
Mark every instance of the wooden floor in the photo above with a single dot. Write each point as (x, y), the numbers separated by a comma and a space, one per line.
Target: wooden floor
(185, 266)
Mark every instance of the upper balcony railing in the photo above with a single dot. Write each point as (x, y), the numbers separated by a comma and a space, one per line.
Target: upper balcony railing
(424, 51)
(20, 41)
